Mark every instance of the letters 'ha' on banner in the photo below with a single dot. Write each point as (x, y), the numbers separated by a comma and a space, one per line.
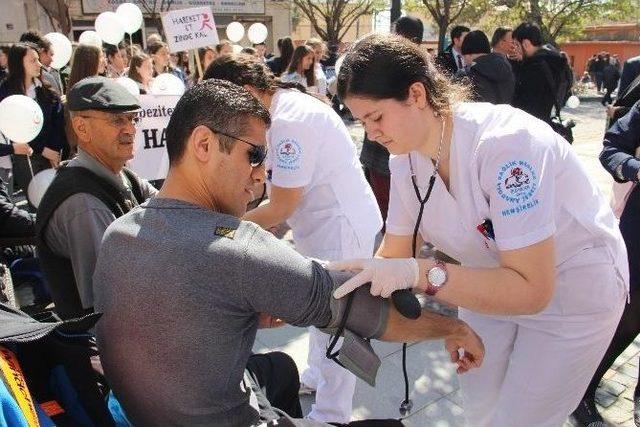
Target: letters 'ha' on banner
(187, 29)
(150, 159)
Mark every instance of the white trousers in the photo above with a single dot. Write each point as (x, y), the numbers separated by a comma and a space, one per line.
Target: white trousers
(334, 385)
(536, 368)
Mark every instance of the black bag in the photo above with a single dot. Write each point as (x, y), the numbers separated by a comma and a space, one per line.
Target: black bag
(56, 360)
(561, 92)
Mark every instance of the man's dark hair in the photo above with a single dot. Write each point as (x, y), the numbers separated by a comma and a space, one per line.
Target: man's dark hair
(218, 104)
(32, 36)
(528, 31)
(410, 28)
(499, 34)
(111, 49)
(457, 31)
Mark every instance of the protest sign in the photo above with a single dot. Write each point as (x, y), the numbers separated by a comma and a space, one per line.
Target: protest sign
(150, 159)
(190, 28)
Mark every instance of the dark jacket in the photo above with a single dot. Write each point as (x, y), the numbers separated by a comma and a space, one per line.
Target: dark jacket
(52, 134)
(533, 93)
(14, 222)
(619, 147)
(611, 75)
(492, 79)
(446, 61)
(630, 70)
(276, 66)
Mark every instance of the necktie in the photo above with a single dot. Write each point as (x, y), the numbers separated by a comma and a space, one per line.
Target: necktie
(460, 66)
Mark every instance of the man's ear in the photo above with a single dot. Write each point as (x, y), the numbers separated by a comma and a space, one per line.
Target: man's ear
(82, 128)
(201, 143)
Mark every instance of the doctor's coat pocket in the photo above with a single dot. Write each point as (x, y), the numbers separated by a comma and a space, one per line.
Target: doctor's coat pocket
(587, 288)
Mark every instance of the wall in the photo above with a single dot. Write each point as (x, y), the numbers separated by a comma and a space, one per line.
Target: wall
(579, 52)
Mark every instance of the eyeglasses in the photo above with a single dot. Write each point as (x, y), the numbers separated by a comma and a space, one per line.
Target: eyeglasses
(257, 153)
(117, 120)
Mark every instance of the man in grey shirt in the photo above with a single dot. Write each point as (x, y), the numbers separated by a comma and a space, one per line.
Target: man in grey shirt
(183, 282)
(89, 192)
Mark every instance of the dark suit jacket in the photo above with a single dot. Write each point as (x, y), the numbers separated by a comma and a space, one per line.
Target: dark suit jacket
(447, 62)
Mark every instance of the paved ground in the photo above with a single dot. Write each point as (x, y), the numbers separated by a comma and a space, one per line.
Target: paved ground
(434, 384)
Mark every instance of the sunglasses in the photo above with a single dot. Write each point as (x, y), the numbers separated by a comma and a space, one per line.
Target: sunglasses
(257, 153)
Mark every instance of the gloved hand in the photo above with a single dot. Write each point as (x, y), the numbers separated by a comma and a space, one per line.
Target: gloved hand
(385, 274)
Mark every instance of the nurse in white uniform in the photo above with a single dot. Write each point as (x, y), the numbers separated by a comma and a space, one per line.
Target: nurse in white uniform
(543, 276)
(317, 186)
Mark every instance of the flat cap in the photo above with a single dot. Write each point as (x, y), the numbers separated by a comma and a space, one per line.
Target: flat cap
(100, 93)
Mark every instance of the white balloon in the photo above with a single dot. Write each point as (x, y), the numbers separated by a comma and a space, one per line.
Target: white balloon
(20, 118)
(236, 48)
(573, 102)
(131, 17)
(62, 49)
(339, 62)
(110, 28)
(39, 184)
(235, 32)
(167, 84)
(257, 33)
(130, 85)
(90, 38)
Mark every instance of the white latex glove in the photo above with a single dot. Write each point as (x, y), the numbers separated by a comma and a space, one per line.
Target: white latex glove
(385, 274)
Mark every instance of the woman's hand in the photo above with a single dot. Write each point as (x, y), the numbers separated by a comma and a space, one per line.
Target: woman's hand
(52, 156)
(22, 148)
(385, 274)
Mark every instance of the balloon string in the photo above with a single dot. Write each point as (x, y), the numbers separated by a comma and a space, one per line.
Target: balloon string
(30, 167)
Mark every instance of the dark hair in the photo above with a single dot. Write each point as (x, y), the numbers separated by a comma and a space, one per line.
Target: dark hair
(84, 63)
(410, 28)
(33, 36)
(155, 47)
(222, 43)
(111, 49)
(298, 55)
(528, 31)
(385, 66)
(218, 104)
(457, 31)
(286, 52)
(136, 61)
(15, 78)
(248, 51)
(499, 34)
(243, 70)
(5, 48)
(475, 42)
(260, 44)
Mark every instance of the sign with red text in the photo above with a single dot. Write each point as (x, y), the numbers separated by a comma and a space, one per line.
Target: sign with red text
(190, 28)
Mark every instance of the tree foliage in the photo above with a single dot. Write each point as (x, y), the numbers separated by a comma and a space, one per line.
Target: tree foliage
(331, 19)
(154, 9)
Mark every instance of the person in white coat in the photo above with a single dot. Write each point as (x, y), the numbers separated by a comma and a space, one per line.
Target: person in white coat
(543, 276)
(317, 186)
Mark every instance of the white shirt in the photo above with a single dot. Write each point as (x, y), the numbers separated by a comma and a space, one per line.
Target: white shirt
(457, 56)
(514, 170)
(310, 147)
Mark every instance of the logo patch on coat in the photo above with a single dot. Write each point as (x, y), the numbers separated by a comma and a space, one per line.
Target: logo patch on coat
(288, 154)
(517, 183)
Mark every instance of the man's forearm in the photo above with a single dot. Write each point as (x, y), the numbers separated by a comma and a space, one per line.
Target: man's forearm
(429, 325)
(266, 216)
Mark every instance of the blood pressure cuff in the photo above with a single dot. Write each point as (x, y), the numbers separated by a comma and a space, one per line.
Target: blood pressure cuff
(368, 315)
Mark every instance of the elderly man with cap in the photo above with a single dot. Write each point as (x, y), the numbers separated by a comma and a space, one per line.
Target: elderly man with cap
(89, 192)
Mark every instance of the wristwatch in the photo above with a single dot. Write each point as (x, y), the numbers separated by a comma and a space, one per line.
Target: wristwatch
(436, 278)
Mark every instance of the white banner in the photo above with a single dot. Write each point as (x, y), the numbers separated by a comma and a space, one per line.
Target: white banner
(219, 7)
(189, 29)
(150, 160)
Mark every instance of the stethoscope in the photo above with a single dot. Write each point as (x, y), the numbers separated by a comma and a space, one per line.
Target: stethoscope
(407, 404)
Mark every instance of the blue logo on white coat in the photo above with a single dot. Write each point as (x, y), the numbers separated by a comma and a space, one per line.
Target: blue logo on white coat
(517, 183)
(288, 154)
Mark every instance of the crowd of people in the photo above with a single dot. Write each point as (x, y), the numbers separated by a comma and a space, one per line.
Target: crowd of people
(185, 274)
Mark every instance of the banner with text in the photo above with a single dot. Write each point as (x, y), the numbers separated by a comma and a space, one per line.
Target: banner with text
(150, 159)
(190, 28)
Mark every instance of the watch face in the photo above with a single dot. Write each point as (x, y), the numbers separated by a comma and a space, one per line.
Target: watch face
(437, 276)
